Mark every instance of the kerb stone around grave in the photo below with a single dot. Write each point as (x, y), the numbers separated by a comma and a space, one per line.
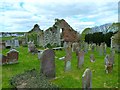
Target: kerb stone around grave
(48, 63)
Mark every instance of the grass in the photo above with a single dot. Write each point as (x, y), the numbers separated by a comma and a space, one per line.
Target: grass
(63, 79)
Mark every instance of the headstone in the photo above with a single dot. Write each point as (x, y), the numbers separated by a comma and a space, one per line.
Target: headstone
(86, 47)
(8, 44)
(12, 56)
(92, 58)
(101, 50)
(92, 47)
(112, 56)
(2, 45)
(80, 59)
(31, 47)
(108, 64)
(3, 59)
(68, 66)
(16, 43)
(40, 54)
(48, 63)
(87, 80)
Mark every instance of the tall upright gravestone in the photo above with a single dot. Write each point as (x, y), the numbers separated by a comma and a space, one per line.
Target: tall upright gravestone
(80, 59)
(87, 80)
(48, 63)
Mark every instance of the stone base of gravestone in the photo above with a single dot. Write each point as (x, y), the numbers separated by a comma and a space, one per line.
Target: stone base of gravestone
(31, 79)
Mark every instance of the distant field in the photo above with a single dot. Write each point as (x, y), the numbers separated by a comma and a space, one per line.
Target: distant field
(70, 79)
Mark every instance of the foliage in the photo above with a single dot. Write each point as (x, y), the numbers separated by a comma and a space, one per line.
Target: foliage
(99, 37)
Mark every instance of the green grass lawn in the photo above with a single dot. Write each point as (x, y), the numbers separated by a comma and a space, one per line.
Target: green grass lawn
(63, 79)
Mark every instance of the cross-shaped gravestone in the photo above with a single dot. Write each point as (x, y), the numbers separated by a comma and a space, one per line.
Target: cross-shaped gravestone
(48, 63)
(87, 80)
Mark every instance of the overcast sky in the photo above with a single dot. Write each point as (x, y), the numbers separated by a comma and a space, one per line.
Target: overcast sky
(21, 15)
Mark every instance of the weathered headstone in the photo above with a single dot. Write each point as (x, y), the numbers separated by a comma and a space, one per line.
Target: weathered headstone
(40, 54)
(3, 59)
(31, 47)
(68, 66)
(92, 58)
(86, 47)
(8, 44)
(2, 45)
(12, 56)
(87, 80)
(80, 59)
(101, 50)
(48, 63)
(16, 43)
(108, 64)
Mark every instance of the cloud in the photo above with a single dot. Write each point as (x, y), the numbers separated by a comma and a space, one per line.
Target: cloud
(21, 15)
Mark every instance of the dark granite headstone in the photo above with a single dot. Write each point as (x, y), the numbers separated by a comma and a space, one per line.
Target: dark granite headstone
(48, 63)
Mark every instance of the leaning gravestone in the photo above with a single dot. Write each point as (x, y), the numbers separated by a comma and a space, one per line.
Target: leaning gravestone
(12, 56)
(80, 59)
(87, 80)
(48, 63)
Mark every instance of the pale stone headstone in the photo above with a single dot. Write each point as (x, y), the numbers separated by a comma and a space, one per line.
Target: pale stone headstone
(80, 59)
(68, 66)
(40, 54)
(8, 44)
(87, 80)
(48, 63)
(31, 47)
(12, 56)
(92, 58)
(16, 43)
(101, 50)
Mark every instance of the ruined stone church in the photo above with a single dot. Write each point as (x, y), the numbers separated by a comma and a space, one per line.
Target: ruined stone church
(59, 33)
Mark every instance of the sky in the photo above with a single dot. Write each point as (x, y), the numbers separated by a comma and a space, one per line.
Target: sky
(22, 15)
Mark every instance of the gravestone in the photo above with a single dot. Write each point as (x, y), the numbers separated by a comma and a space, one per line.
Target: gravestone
(48, 63)
(31, 47)
(3, 59)
(80, 59)
(108, 64)
(68, 66)
(40, 54)
(92, 47)
(2, 45)
(112, 55)
(16, 43)
(12, 56)
(8, 44)
(92, 58)
(101, 50)
(86, 47)
(87, 80)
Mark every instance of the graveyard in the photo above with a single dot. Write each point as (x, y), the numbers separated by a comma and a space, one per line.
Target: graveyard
(71, 79)
(54, 59)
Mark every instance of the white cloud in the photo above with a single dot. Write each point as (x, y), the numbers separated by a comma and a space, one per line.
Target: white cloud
(21, 15)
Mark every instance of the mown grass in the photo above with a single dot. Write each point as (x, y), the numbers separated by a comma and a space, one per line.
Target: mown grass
(72, 79)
